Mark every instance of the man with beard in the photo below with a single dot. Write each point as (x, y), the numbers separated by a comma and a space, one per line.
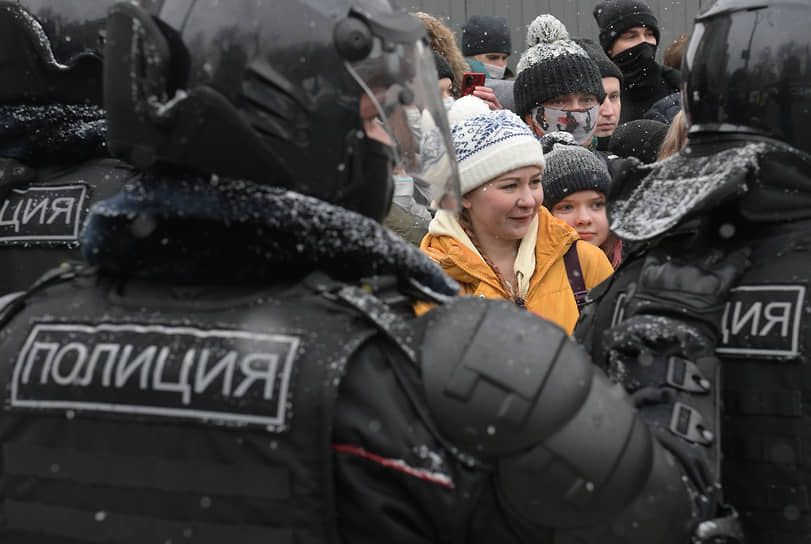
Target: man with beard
(629, 34)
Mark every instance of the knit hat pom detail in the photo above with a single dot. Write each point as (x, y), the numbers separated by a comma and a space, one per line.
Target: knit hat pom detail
(546, 28)
(465, 108)
(554, 65)
(557, 137)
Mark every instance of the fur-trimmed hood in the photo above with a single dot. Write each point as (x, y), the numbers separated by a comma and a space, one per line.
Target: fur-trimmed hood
(205, 229)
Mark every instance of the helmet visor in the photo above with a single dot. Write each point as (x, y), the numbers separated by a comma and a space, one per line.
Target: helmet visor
(401, 95)
(743, 76)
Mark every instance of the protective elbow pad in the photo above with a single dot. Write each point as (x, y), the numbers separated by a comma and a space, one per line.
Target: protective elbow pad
(501, 383)
(662, 512)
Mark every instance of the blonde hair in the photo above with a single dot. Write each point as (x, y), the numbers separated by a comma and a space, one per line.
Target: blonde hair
(676, 137)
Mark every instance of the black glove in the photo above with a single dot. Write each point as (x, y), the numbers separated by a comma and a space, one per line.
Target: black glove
(693, 290)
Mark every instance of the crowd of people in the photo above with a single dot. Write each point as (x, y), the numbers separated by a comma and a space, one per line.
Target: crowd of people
(276, 280)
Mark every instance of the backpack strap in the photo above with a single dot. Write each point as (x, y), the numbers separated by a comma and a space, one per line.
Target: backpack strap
(575, 275)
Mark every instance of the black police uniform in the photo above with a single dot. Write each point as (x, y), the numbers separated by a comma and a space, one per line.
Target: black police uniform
(726, 195)
(42, 216)
(54, 164)
(273, 402)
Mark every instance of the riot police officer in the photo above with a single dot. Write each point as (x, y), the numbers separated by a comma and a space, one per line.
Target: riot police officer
(54, 163)
(743, 182)
(241, 362)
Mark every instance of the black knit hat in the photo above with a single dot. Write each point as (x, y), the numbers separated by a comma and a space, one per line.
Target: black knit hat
(606, 65)
(616, 16)
(570, 168)
(553, 66)
(443, 69)
(486, 34)
(641, 138)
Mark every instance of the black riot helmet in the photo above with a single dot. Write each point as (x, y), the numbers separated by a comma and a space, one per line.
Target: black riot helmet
(50, 51)
(280, 93)
(747, 71)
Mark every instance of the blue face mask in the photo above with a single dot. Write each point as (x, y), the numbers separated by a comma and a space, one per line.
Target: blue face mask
(448, 102)
(579, 123)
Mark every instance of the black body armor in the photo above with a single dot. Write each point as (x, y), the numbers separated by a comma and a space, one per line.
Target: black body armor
(40, 219)
(143, 413)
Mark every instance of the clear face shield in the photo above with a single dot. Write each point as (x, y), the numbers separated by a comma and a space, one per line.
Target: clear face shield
(402, 106)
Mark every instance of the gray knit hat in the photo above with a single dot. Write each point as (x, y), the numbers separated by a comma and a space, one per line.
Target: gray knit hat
(486, 34)
(553, 66)
(570, 168)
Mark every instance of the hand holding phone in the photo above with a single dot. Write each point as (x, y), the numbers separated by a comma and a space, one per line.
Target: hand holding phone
(471, 80)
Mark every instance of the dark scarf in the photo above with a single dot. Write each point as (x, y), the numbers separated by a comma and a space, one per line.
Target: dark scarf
(52, 135)
(639, 67)
(199, 229)
(644, 81)
(768, 180)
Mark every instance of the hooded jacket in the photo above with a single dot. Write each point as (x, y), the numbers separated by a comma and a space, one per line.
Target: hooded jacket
(540, 269)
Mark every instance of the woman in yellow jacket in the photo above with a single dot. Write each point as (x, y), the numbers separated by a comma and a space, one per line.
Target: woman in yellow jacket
(503, 243)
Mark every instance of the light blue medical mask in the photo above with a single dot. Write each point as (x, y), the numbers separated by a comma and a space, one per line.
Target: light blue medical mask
(403, 189)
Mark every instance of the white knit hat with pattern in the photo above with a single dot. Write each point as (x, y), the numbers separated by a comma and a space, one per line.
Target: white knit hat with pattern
(490, 143)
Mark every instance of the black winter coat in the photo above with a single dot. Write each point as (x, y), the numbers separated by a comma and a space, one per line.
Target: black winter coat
(637, 99)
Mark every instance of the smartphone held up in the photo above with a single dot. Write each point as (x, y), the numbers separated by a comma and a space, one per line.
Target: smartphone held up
(471, 80)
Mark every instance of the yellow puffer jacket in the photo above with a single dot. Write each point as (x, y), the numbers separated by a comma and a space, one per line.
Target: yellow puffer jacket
(541, 273)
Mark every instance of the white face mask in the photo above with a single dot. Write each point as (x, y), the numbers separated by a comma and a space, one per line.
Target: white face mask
(495, 72)
(448, 102)
(579, 123)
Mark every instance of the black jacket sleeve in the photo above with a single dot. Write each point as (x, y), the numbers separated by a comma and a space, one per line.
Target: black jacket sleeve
(395, 478)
